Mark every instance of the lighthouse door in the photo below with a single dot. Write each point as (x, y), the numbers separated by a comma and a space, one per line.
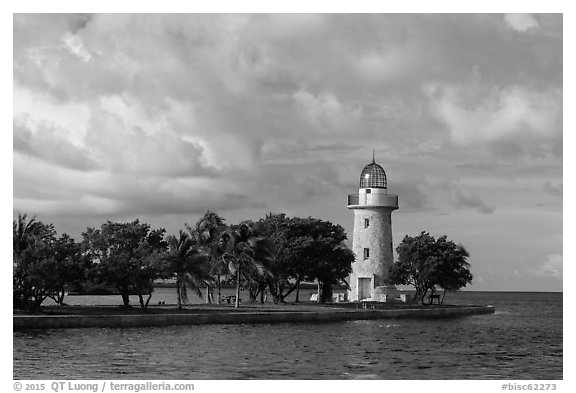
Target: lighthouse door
(364, 288)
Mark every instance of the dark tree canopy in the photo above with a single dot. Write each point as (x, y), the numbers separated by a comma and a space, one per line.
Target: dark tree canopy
(207, 234)
(33, 262)
(308, 249)
(44, 265)
(69, 266)
(124, 255)
(186, 261)
(276, 253)
(426, 263)
(247, 255)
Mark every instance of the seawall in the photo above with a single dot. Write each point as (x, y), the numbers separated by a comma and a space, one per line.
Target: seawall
(21, 322)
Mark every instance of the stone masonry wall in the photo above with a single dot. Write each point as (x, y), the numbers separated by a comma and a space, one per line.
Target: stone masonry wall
(378, 239)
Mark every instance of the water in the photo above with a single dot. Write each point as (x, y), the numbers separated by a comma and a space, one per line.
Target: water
(522, 340)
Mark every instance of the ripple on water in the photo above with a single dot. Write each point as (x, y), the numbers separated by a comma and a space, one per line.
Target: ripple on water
(509, 345)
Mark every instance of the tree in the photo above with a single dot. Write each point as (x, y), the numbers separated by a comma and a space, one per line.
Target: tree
(425, 262)
(33, 262)
(290, 238)
(25, 233)
(333, 269)
(186, 261)
(122, 254)
(68, 266)
(308, 249)
(454, 272)
(328, 259)
(287, 267)
(246, 254)
(207, 232)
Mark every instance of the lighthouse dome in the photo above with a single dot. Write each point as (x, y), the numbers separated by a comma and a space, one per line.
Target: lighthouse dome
(373, 176)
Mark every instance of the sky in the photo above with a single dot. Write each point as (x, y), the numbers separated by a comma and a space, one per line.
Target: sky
(164, 116)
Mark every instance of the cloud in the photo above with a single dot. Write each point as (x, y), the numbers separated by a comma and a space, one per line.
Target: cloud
(324, 111)
(118, 116)
(411, 197)
(386, 66)
(300, 150)
(551, 267)
(75, 45)
(554, 188)
(463, 196)
(292, 25)
(521, 22)
(477, 112)
(33, 109)
(126, 148)
(54, 190)
(47, 145)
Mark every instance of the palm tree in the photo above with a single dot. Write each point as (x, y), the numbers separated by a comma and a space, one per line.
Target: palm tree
(32, 256)
(207, 233)
(218, 266)
(246, 254)
(24, 232)
(188, 262)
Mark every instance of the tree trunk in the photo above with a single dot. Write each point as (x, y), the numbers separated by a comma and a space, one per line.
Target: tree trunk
(236, 305)
(61, 294)
(125, 292)
(36, 300)
(273, 289)
(443, 295)
(178, 292)
(208, 297)
(319, 293)
(298, 291)
(141, 301)
(326, 293)
(262, 291)
(253, 293)
(219, 284)
(423, 296)
(36, 303)
(148, 301)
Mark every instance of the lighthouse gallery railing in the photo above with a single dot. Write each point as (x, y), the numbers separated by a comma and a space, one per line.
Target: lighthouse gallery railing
(373, 199)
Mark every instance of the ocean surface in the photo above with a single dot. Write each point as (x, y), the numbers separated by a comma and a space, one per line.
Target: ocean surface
(522, 340)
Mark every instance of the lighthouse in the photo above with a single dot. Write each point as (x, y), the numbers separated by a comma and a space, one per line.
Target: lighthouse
(372, 238)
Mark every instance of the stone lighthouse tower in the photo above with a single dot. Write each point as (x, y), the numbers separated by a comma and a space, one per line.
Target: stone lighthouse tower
(372, 238)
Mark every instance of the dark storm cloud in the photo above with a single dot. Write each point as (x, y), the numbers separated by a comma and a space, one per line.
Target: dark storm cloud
(464, 197)
(45, 145)
(171, 114)
(412, 196)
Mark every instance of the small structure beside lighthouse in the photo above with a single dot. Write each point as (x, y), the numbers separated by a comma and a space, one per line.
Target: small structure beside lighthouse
(372, 238)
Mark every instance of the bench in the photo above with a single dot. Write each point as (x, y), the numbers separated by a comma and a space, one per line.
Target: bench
(434, 297)
(230, 299)
(368, 304)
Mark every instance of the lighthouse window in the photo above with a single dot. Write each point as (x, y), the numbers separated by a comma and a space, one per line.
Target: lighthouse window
(366, 253)
(366, 223)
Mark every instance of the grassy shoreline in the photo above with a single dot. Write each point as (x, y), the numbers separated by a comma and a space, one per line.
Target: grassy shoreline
(115, 317)
(215, 308)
